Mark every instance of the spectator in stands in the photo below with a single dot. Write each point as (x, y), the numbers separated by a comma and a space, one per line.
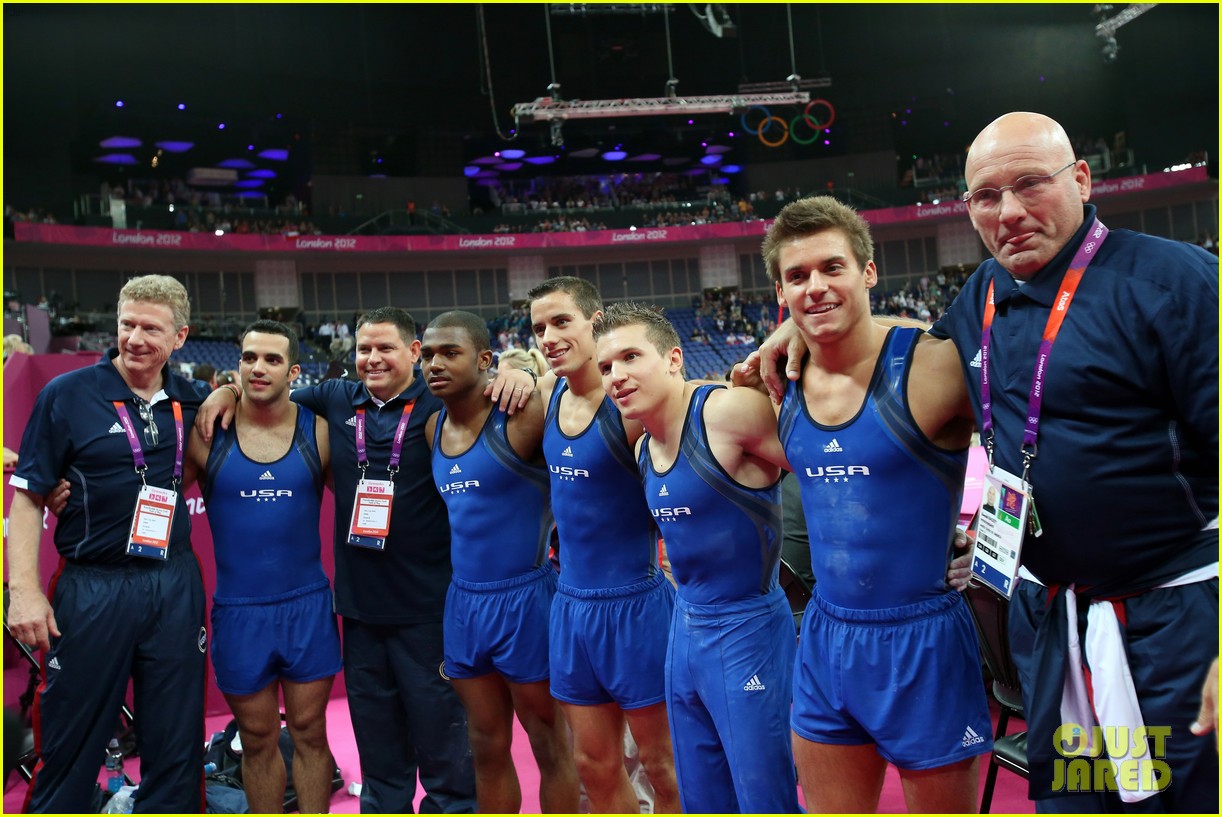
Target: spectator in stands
(206, 373)
(523, 359)
(14, 343)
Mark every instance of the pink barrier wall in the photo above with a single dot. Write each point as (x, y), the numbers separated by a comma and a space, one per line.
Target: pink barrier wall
(177, 240)
(24, 377)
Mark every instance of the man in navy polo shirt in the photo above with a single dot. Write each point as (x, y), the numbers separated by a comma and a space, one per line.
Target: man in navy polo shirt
(390, 585)
(116, 612)
(1124, 462)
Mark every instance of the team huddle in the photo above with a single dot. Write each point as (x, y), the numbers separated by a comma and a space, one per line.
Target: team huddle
(453, 489)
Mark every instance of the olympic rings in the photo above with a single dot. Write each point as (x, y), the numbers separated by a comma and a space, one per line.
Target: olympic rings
(814, 123)
(784, 131)
(748, 128)
(790, 129)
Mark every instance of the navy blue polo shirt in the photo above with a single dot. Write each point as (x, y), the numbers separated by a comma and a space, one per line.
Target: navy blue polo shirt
(406, 582)
(74, 433)
(1126, 476)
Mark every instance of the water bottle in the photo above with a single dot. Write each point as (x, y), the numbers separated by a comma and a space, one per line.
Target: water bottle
(114, 766)
(123, 802)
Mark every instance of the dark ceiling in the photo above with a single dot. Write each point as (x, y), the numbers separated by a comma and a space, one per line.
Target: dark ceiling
(341, 84)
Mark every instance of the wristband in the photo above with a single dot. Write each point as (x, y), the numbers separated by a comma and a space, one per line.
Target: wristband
(237, 395)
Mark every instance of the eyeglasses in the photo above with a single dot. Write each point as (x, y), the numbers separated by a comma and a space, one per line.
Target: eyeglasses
(151, 436)
(1027, 190)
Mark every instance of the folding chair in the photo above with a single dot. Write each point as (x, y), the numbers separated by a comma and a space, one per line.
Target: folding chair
(991, 612)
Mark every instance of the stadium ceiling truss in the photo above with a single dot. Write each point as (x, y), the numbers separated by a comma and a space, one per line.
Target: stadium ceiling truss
(549, 109)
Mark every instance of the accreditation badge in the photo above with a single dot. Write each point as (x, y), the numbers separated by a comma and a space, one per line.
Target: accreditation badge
(370, 523)
(152, 523)
(1002, 521)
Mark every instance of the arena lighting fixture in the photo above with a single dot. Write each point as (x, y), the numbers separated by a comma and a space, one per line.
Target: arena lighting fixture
(174, 146)
(236, 164)
(615, 155)
(513, 153)
(549, 109)
(120, 142)
(274, 154)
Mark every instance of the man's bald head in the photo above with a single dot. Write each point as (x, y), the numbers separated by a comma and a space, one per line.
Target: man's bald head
(1035, 130)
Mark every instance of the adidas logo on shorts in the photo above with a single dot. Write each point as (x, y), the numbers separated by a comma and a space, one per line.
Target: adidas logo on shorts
(115, 429)
(568, 452)
(970, 738)
(754, 685)
(832, 447)
(266, 475)
(455, 469)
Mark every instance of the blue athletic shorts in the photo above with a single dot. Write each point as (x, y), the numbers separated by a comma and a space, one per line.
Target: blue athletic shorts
(729, 677)
(907, 679)
(609, 645)
(499, 626)
(294, 638)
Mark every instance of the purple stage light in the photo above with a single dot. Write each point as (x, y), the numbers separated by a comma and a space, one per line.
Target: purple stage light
(248, 183)
(261, 173)
(540, 160)
(181, 106)
(646, 157)
(731, 169)
(174, 146)
(118, 103)
(221, 126)
(513, 153)
(275, 154)
(114, 142)
(117, 159)
(470, 170)
(236, 164)
(710, 159)
(507, 166)
(718, 149)
(615, 155)
(486, 160)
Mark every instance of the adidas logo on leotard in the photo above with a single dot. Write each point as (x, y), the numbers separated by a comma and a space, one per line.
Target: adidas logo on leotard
(266, 475)
(568, 452)
(975, 364)
(455, 469)
(116, 429)
(832, 447)
(663, 492)
(754, 685)
(970, 738)
(351, 421)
